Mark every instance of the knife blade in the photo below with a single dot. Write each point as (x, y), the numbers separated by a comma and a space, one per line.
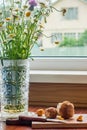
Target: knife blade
(40, 119)
(27, 120)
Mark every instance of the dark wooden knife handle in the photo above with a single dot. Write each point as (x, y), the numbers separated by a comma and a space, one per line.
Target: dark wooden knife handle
(15, 121)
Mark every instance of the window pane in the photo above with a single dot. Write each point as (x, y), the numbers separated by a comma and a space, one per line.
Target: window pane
(64, 35)
(72, 13)
(67, 34)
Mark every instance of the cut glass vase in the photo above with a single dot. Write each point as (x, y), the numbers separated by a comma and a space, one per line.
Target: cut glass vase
(15, 88)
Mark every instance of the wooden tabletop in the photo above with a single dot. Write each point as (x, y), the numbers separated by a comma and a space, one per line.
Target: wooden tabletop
(3, 125)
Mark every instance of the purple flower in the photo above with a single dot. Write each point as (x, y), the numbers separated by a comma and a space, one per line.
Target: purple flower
(32, 4)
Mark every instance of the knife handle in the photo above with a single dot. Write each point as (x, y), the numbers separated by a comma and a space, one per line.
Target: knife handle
(15, 121)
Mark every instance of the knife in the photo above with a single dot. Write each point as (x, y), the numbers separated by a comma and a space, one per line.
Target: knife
(40, 119)
(27, 120)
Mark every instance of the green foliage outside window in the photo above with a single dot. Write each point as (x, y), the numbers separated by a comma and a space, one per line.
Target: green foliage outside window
(71, 42)
(83, 39)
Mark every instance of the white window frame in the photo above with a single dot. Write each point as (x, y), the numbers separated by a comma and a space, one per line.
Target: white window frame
(58, 70)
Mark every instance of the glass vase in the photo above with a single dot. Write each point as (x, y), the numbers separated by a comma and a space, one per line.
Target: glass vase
(15, 88)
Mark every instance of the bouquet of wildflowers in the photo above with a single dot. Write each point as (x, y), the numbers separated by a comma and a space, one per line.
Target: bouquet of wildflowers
(20, 27)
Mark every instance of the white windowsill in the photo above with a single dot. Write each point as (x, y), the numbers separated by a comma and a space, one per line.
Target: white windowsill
(58, 70)
(49, 76)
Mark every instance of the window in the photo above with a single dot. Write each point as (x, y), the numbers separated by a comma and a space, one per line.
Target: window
(56, 37)
(70, 35)
(60, 63)
(66, 64)
(72, 13)
(79, 35)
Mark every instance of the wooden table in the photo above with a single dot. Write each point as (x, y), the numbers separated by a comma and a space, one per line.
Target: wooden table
(3, 126)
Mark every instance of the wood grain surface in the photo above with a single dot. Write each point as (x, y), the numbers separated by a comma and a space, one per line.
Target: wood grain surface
(70, 123)
(49, 94)
(3, 126)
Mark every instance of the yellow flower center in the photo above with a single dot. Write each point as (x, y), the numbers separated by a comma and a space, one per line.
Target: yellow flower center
(56, 42)
(8, 19)
(25, 6)
(27, 14)
(0, 25)
(16, 9)
(11, 35)
(41, 26)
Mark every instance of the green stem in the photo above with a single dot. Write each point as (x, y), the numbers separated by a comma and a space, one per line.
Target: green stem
(56, 9)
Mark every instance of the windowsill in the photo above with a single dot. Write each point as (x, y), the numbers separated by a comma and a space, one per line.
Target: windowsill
(49, 76)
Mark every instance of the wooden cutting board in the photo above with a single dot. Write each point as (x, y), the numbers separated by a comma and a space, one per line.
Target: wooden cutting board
(70, 123)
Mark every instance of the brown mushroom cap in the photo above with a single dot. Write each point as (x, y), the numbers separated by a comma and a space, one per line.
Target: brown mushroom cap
(66, 109)
(51, 112)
